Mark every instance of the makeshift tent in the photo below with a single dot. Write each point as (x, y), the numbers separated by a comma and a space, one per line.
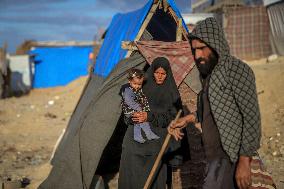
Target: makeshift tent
(275, 10)
(247, 30)
(22, 71)
(57, 66)
(130, 27)
(246, 25)
(92, 141)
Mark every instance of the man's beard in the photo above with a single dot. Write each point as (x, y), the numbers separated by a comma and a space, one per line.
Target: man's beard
(206, 68)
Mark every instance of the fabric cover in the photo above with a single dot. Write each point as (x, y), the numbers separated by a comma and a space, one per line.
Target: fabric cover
(178, 53)
(247, 30)
(276, 20)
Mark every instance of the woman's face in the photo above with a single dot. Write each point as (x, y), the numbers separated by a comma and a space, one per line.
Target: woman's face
(160, 75)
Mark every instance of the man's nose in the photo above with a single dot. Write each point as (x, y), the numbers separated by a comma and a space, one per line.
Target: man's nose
(198, 54)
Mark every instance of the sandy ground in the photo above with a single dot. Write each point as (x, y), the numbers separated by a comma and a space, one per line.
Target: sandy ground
(30, 125)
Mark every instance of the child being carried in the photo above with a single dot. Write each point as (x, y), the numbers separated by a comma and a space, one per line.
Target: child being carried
(134, 100)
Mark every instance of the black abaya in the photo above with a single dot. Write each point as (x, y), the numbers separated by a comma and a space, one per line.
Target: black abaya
(137, 159)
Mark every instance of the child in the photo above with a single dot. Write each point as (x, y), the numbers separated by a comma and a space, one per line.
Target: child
(134, 100)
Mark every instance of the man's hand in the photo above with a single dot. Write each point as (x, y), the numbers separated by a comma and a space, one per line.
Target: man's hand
(182, 122)
(139, 117)
(176, 133)
(243, 174)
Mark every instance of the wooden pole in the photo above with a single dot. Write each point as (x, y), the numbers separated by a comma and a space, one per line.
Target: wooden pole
(160, 155)
(165, 5)
(179, 30)
(172, 12)
(129, 45)
(145, 24)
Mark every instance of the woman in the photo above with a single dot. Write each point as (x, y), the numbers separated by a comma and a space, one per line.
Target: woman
(137, 159)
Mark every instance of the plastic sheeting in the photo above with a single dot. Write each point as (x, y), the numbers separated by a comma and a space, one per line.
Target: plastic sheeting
(123, 27)
(270, 2)
(57, 66)
(247, 31)
(21, 76)
(276, 19)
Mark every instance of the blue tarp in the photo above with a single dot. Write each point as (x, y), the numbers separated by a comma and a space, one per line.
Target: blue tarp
(57, 66)
(123, 27)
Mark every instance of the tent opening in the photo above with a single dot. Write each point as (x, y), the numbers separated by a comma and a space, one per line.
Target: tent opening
(162, 26)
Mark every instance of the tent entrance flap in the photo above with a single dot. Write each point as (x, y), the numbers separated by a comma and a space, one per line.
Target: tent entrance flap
(110, 158)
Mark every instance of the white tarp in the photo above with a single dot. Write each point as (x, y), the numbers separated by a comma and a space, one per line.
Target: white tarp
(270, 2)
(276, 19)
(193, 18)
(21, 68)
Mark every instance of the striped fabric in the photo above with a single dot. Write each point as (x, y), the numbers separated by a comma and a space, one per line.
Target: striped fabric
(247, 31)
(261, 178)
(178, 54)
(188, 97)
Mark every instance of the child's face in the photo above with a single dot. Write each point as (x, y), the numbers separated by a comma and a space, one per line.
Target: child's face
(136, 83)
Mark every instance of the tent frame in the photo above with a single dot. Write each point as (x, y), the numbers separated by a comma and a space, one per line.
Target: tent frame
(161, 4)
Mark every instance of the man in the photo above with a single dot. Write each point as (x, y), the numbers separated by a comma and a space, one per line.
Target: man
(227, 109)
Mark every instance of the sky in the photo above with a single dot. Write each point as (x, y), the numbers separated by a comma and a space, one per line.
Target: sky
(61, 20)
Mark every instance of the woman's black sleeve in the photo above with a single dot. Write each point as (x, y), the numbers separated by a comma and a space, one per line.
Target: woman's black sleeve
(162, 119)
(159, 119)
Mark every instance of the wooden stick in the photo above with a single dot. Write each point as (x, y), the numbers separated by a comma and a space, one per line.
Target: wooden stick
(179, 30)
(172, 12)
(160, 155)
(165, 5)
(129, 45)
(145, 24)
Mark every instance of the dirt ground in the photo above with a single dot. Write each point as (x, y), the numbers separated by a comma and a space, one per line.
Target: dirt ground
(30, 125)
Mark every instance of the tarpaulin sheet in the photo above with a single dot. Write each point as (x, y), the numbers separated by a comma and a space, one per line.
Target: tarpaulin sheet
(247, 31)
(276, 19)
(57, 66)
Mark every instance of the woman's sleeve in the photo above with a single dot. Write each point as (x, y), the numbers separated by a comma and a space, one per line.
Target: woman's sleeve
(163, 119)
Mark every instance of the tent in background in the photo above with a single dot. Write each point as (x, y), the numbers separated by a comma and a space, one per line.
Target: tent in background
(58, 66)
(275, 10)
(247, 30)
(21, 73)
(92, 141)
(246, 25)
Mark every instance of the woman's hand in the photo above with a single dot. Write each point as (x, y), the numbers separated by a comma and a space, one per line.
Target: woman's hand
(139, 117)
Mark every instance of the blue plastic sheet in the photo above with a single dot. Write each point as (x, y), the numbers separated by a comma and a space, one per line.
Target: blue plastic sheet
(59, 66)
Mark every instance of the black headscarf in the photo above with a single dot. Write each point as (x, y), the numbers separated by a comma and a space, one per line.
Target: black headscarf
(164, 96)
